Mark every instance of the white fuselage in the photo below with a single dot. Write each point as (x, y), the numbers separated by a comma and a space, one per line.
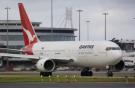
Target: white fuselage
(89, 53)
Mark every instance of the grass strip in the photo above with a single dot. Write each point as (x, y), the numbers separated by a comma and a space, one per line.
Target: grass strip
(63, 79)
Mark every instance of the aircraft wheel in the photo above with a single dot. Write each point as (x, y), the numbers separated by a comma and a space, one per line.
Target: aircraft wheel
(109, 73)
(90, 73)
(86, 72)
(83, 73)
(45, 74)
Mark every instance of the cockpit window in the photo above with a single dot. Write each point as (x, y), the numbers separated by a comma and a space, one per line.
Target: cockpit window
(112, 48)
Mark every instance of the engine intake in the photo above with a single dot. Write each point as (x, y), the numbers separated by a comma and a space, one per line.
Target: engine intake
(49, 65)
(45, 65)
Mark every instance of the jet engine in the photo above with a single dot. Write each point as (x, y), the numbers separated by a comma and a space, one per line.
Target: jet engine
(119, 66)
(46, 65)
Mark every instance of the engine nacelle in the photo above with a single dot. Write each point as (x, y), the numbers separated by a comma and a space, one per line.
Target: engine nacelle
(120, 65)
(46, 65)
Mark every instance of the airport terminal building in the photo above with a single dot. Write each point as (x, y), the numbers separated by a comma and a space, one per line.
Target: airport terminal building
(15, 38)
(15, 41)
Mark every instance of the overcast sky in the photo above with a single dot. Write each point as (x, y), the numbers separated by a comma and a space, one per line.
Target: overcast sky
(120, 22)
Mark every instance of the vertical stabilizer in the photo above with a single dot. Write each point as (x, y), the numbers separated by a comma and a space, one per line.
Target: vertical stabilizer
(27, 28)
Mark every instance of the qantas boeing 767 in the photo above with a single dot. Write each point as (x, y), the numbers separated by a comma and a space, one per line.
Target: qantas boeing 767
(50, 55)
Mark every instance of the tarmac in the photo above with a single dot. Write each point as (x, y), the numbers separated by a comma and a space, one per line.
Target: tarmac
(67, 85)
(101, 73)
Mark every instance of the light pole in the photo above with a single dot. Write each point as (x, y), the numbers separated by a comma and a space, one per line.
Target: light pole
(7, 8)
(79, 11)
(87, 23)
(105, 23)
(52, 18)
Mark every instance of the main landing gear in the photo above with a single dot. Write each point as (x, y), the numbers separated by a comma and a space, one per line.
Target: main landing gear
(86, 72)
(109, 73)
(45, 74)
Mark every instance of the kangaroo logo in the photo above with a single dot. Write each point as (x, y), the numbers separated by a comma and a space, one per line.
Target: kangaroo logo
(30, 37)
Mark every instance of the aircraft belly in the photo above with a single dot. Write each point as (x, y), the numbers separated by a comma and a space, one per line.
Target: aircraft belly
(93, 61)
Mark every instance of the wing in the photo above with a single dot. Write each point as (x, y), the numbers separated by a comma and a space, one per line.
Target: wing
(5, 49)
(58, 61)
(19, 56)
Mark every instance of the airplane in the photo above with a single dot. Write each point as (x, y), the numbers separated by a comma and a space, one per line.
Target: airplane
(54, 54)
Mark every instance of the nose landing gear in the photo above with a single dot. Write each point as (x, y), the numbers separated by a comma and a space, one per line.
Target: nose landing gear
(109, 72)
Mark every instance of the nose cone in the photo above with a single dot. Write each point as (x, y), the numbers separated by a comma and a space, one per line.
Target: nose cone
(117, 55)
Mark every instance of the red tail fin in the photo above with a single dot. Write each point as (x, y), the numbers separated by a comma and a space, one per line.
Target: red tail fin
(27, 28)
